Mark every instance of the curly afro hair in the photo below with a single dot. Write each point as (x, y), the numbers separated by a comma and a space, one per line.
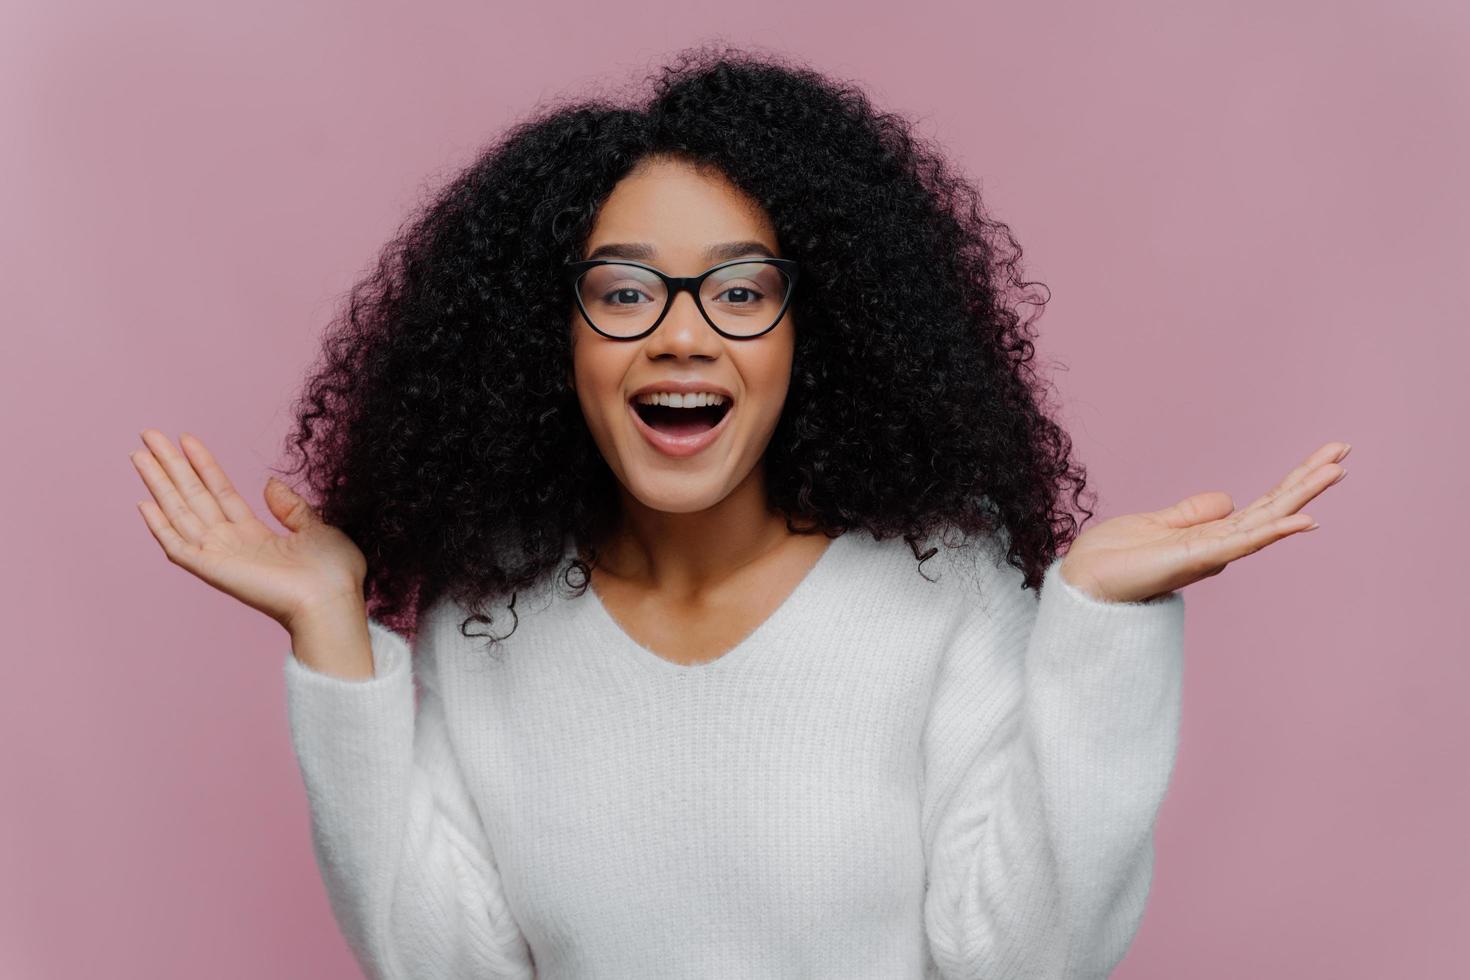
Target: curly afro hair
(439, 430)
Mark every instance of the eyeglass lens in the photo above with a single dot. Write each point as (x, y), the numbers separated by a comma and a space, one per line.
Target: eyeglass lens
(625, 300)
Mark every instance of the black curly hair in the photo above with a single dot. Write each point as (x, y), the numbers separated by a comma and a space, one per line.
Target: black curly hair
(440, 432)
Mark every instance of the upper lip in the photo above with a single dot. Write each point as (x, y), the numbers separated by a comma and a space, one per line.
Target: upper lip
(683, 388)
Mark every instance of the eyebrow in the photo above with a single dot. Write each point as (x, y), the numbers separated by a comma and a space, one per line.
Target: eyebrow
(644, 252)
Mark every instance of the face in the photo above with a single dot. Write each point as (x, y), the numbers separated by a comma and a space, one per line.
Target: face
(681, 213)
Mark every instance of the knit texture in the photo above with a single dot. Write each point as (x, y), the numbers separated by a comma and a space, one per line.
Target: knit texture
(890, 777)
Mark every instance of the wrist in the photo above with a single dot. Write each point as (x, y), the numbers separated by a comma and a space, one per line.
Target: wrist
(1087, 584)
(1080, 581)
(333, 638)
(334, 607)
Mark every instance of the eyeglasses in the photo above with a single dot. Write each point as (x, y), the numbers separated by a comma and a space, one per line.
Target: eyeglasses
(741, 299)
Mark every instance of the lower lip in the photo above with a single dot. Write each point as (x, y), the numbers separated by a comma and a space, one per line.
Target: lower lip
(680, 446)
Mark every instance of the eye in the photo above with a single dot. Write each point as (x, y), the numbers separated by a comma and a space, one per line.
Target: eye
(746, 294)
(627, 296)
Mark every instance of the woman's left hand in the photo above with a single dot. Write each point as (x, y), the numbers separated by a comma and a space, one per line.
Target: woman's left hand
(1143, 556)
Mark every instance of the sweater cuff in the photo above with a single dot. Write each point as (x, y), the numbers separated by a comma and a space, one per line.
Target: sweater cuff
(1115, 654)
(390, 657)
(354, 736)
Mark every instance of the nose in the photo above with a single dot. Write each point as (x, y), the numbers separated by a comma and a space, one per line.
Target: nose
(684, 329)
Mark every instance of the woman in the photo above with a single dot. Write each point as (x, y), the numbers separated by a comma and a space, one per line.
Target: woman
(732, 355)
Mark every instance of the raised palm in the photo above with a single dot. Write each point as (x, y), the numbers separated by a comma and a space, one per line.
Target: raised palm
(1138, 557)
(206, 527)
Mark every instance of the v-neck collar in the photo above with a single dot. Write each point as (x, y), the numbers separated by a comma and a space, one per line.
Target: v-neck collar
(804, 592)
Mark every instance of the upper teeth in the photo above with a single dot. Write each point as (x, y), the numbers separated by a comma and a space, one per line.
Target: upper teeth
(674, 399)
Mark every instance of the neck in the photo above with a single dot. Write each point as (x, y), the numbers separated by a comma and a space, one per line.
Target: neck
(688, 553)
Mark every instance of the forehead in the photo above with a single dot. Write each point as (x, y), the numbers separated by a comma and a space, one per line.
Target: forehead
(679, 210)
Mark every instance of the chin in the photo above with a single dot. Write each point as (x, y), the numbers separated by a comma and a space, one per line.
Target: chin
(678, 495)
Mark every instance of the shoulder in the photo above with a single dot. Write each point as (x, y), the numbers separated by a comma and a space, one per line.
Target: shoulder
(949, 571)
(456, 630)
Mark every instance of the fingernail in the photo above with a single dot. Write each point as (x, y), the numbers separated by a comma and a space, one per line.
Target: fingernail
(1343, 455)
(1339, 479)
(1312, 528)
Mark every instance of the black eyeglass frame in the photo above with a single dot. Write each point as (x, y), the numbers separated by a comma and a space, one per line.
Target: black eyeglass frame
(674, 285)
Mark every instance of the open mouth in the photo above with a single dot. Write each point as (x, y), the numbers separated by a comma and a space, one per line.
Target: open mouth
(681, 422)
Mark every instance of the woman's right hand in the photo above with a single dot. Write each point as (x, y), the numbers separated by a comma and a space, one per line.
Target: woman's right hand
(206, 527)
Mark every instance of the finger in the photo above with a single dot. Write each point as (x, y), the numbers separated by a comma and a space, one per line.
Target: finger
(185, 522)
(1217, 551)
(1324, 454)
(1292, 499)
(179, 551)
(231, 503)
(181, 471)
(1328, 453)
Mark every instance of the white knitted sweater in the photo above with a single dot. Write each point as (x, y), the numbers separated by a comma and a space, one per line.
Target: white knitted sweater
(889, 778)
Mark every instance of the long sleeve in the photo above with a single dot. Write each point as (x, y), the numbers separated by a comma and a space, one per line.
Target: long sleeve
(1048, 750)
(401, 851)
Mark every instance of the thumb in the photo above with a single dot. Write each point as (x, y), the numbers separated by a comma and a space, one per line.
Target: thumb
(1212, 505)
(288, 506)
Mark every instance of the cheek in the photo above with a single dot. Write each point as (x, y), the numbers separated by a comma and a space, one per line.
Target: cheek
(589, 365)
(767, 374)
(597, 372)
